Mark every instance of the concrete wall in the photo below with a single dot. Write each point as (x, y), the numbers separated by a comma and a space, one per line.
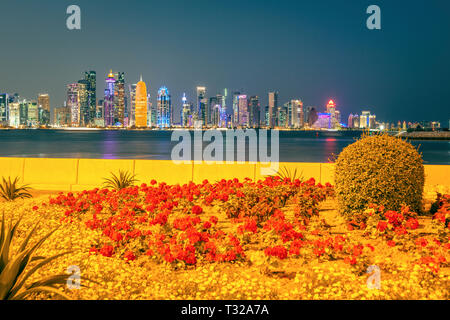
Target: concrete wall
(84, 174)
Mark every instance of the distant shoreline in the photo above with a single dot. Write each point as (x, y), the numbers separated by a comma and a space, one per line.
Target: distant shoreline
(416, 135)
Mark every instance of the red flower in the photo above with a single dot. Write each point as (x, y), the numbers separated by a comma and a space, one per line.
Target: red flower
(35, 208)
(277, 251)
(421, 242)
(129, 255)
(382, 225)
(391, 243)
(197, 210)
(412, 224)
(107, 251)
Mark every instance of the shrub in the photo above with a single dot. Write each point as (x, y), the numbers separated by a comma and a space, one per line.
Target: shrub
(379, 169)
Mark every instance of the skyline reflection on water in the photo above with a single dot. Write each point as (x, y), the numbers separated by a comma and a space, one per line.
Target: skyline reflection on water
(295, 146)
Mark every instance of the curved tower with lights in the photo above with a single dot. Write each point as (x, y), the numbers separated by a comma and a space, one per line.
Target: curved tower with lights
(141, 104)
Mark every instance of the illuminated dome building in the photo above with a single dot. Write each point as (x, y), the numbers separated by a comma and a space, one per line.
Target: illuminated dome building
(141, 104)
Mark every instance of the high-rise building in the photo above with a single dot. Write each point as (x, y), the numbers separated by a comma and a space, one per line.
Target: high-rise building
(350, 121)
(44, 108)
(141, 104)
(132, 109)
(109, 100)
(83, 102)
(164, 108)
(282, 120)
(254, 110)
(152, 113)
(202, 106)
(44, 101)
(33, 114)
(266, 116)
(243, 111)
(14, 114)
(23, 105)
(235, 118)
(223, 111)
(364, 120)
(73, 103)
(91, 78)
(331, 109)
(273, 108)
(295, 113)
(62, 116)
(186, 112)
(214, 110)
(119, 98)
(311, 116)
(4, 109)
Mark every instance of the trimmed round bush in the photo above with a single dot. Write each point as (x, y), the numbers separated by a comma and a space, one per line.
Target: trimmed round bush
(382, 170)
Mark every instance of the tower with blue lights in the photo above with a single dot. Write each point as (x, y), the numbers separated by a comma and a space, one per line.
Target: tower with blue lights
(164, 108)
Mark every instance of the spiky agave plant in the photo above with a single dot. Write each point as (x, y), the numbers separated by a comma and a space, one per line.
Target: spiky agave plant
(11, 190)
(121, 181)
(286, 173)
(16, 270)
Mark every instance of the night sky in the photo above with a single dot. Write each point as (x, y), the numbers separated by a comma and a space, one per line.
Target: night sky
(313, 50)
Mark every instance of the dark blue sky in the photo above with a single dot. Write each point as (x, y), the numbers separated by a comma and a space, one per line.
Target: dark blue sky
(313, 50)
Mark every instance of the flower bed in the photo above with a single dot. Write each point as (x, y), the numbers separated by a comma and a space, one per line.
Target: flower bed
(271, 239)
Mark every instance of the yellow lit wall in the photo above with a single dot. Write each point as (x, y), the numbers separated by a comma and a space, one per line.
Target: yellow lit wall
(84, 174)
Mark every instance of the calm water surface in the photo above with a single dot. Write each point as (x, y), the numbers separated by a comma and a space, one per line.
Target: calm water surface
(295, 146)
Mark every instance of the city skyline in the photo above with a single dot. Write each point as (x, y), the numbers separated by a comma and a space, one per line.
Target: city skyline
(314, 54)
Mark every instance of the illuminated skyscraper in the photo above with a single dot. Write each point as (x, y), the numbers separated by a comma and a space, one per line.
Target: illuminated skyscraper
(164, 108)
(350, 121)
(364, 120)
(73, 104)
(119, 98)
(223, 111)
(273, 108)
(83, 102)
(186, 112)
(202, 105)
(141, 104)
(331, 109)
(132, 110)
(33, 113)
(91, 78)
(243, 110)
(254, 111)
(14, 114)
(235, 118)
(214, 110)
(4, 109)
(44, 109)
(62, 116)
(109, 100)
(44, 101)
(295, 113)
